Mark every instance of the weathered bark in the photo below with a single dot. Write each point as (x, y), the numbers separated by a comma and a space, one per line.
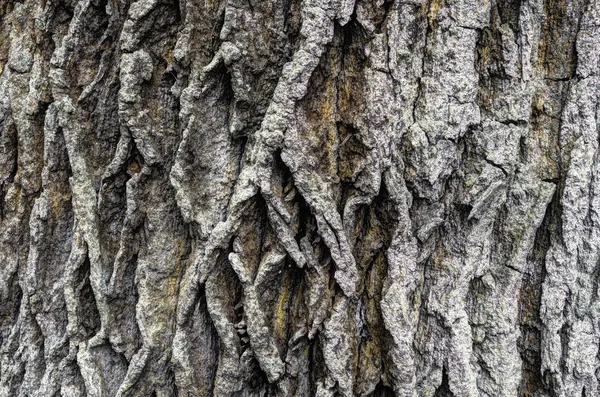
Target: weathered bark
(300, 197)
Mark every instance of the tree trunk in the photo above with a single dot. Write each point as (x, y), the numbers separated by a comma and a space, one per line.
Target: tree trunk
(300, 197)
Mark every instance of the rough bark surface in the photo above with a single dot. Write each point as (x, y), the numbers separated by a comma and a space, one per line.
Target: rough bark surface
(300, 197)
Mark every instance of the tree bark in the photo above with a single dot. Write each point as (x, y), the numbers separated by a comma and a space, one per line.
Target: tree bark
(300, 197)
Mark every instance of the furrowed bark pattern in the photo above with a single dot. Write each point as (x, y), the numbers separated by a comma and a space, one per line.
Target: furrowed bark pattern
(299, 197)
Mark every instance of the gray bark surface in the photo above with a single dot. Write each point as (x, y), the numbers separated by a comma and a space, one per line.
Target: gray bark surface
(300, 198)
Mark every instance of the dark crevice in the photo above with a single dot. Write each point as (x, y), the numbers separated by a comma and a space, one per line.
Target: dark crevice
(9, 310)
(239, 314)
(463, 211)
(382, 390)
(386, 7)
(444, 389)
(530, 300)
(496, 165)
(509, 12)
(262, 229)
(523, 149)
(89, 314)
(317, 365)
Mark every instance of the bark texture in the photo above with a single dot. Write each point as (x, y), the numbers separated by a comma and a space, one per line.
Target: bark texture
(300, 197)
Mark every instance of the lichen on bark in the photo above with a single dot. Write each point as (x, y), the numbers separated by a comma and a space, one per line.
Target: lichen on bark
(299, 197)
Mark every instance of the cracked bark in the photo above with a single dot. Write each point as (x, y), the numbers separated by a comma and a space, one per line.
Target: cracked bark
(299, 197)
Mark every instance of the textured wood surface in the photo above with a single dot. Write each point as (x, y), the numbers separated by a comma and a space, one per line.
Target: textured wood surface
(299, 198)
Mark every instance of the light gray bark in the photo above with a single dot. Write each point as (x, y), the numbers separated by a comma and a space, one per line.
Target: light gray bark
(299, 197)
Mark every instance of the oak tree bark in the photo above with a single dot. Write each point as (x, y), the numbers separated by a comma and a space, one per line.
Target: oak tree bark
(299, 197)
